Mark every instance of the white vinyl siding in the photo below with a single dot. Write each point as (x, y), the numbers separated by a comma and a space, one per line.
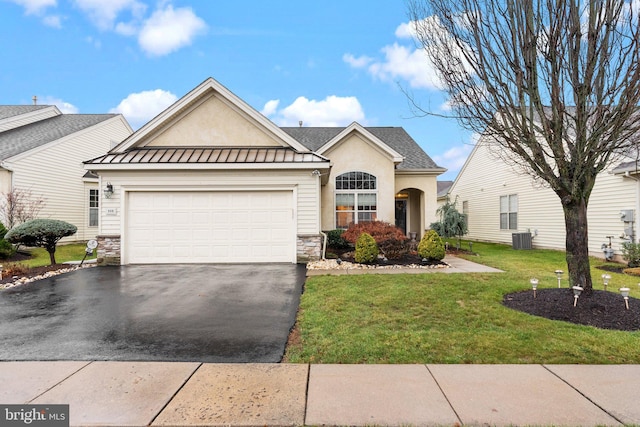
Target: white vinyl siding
(485, 178)
(54, 172)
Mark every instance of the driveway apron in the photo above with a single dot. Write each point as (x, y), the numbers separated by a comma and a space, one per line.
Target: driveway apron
(206, 313)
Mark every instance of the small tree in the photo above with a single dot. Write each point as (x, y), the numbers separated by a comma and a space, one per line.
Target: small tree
(44, 233)
(452, 223)
(19, 206)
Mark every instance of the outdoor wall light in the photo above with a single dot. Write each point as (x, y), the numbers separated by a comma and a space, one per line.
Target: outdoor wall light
(108, 191)
(605, 279)
(577, 290)
(534, 285)
(625, 294)
(559, 276)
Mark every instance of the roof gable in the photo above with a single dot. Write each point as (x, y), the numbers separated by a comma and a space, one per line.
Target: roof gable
(209, 115)
(22, 139)
(395, 138)
(357, 128)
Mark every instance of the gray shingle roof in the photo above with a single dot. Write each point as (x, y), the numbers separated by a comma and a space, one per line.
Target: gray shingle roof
(24, 138)
(443, 187)
(395, 137)
(7, 111)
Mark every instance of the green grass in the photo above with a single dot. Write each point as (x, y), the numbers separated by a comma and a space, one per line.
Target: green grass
(64, 253)
(452, 318)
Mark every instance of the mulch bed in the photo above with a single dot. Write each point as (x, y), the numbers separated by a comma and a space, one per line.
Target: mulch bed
(408, 259)
(32, 272)
(603, 309)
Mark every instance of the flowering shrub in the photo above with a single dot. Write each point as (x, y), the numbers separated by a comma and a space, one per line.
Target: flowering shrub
(379, 230)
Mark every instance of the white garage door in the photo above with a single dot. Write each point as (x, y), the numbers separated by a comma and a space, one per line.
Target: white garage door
(197, 227)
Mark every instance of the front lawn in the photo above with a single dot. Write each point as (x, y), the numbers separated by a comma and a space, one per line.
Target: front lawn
(64, 253)
(452, 318)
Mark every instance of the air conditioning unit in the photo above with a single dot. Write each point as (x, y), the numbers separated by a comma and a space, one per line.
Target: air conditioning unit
(521, 240)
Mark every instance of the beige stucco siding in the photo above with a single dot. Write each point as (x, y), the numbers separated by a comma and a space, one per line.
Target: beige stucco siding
(484, 179)
(62, 187)
(354, 153)
(212, 122)
(302, 183)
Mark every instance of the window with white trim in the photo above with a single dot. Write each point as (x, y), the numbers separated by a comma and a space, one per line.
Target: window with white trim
(509, 212)
(94, 208)
(356, 198)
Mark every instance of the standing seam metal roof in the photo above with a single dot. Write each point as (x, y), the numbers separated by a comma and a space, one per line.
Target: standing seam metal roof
(204, 155)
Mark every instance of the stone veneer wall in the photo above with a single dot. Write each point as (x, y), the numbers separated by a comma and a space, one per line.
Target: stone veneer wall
(309, 248)
(109, 250)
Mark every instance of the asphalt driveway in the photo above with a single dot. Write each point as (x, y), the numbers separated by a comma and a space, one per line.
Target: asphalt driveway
(205, 313)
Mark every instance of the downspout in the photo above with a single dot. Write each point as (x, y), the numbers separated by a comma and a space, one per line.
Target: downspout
(637, 213)
(324, 245)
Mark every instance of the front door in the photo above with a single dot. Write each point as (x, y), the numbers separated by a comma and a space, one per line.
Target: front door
(401, 214)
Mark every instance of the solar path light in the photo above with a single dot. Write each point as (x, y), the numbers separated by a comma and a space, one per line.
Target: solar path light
(534, 285)
(577, 290)
(559, 276)
(625, 294)
(605, 279)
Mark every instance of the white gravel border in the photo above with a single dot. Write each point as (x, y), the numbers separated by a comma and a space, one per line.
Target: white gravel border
(332, 264)
(24, 280)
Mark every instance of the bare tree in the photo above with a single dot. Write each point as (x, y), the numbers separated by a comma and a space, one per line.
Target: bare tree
(19, 206)
(552, 85)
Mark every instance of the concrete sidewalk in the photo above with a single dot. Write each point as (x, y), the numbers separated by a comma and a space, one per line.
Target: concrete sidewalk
(188, 394)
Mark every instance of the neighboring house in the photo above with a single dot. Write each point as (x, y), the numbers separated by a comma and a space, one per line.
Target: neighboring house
(500, 200)
(210, 179)
(443, 191)
(41, 154)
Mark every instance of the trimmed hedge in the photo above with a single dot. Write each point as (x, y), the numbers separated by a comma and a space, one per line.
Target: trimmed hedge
(366, 249)
(431, 246)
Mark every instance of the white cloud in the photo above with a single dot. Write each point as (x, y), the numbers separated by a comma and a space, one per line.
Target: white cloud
(400, 62)
(453, 159)
(359, 62)
(138, 108)
(331, 111)
(406, 30)
(408, 64)
(104, 13)
(270, 107)
(63, 106)
(35, 6)
(169, 29)
(53, 21)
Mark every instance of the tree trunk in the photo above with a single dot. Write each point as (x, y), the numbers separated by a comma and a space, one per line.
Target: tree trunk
(577, 243)
(52, 256)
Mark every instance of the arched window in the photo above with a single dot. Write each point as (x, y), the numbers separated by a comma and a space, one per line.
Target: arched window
(356, 198)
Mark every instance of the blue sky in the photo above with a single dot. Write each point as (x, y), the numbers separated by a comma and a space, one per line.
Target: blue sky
(326, 63)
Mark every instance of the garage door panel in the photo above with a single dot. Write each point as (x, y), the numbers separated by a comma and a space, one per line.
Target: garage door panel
(172, 227)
